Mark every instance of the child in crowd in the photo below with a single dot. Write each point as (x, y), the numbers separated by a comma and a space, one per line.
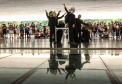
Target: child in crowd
(30, 31)
(17, 31)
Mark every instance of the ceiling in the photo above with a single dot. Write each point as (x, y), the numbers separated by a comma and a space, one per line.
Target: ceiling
(35, 9)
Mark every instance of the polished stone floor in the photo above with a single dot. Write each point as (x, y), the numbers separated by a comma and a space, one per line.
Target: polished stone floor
(27, 67)
(44, 43)
(53, 65)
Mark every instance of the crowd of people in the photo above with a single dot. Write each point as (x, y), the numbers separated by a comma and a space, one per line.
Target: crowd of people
(79, 30)
(24, 30)
(96, 30)
(103, 30)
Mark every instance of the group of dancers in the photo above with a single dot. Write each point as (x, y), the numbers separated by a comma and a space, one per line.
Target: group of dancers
(73, 23)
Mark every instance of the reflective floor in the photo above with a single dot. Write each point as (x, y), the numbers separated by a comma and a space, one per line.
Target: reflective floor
(58, 66)
(44, 43)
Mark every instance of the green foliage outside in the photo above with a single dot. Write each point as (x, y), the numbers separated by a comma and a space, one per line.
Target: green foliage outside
(46, 21)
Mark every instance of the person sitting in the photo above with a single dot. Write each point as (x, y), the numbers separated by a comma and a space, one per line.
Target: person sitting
(47, 34)
(42, 35)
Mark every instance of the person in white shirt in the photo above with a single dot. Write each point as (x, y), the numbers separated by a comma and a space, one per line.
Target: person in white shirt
(100, 30)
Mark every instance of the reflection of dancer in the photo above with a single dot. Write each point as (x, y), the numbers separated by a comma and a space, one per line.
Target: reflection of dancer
(87, 56)
(70, 71)
(75, 62)
(53, 65)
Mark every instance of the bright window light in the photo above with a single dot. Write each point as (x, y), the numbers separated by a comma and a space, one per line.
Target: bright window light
(85, 15)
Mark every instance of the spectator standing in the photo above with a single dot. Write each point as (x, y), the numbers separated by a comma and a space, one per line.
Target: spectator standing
(0, 31)
(109, 28)
(37, 27)
(11, 30)
(26, 30)
(8, 29)
(17, 31)
(112, 29)
(120, 26)
(33, 27)
(21, 30)
(94, 27)
(100, 30)
(4, 30)
(117, 30)
(14, 30)
(30, 31)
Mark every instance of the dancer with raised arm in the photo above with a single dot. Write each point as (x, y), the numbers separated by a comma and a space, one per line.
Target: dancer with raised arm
(53, 21)
(71, 22)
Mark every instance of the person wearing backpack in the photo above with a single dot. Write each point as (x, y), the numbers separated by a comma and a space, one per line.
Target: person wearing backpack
(70, 19)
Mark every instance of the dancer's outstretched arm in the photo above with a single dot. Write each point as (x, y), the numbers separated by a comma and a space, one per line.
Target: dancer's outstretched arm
(58, 13)
(84, 22)
(61, 16)
(65, 8)
(47, 14)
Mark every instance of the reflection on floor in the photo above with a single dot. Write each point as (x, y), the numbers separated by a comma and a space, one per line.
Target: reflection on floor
(23, 67)
(57, 66)
(44, 43)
